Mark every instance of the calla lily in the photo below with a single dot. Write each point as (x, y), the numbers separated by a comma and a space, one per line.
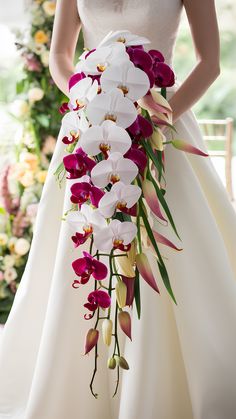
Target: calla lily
(125, 323)
(87, 220)
(91, 340)
(97, 61)
(81, 192)
(125, 267)
(125, 37)
(145, 271)
(129, 282)
(153, 102)
(115, 168)
(98, 298)
(120, 197)
(86, 266)
(73, 124)
(83, 92)
(121, 293)
(106, 137)
(157, 139)
(162, 239)
(151, 198)
(113, 106)
(132, 81)
(182, 145)
(116, 235)
(77, 164)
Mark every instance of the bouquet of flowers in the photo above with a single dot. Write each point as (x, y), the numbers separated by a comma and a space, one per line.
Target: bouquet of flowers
(114, 137)
(20, 192)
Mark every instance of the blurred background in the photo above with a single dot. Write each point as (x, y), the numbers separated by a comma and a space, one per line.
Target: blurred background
(30, 121)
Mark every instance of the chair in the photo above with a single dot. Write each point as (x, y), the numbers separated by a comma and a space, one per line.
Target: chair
(218, 134)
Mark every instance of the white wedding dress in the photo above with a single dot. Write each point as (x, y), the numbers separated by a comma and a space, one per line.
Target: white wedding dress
(182, 358)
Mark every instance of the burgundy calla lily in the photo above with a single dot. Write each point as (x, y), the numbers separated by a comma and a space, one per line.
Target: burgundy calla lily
(129, 282)
(77, 164)
(82, 191)
(86, 266)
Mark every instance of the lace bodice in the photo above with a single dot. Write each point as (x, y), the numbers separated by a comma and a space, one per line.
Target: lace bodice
(157, 20)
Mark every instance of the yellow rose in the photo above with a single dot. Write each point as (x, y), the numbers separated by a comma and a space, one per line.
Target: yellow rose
(49, 7)
(41, 37)
(41, 176)
(30, 160)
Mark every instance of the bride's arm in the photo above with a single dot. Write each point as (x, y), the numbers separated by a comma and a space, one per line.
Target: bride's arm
(64, 38)
(204, 29)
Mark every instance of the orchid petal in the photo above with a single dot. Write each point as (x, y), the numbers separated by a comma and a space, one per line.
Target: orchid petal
(124, 36)
(145, 271)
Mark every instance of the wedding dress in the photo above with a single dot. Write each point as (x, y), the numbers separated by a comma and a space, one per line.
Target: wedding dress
(182, 358)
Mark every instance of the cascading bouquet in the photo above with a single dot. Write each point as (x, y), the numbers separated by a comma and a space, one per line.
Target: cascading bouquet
(115, 143)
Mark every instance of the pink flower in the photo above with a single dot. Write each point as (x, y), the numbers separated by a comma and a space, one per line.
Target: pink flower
(141, 128)
(138, 156)
(83, 191)
(80, 238)
(129, 282)
(78, 164)
(98, 298)
(86, 266)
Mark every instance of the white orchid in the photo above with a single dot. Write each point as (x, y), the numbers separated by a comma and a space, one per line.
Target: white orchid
(125, 37)
(97, 61)
(82, 93)
(116, 234)
(120, 196)
(87, 220)
(115, 168)
(112, 106)
(106, 137)
(74, 123)
(133, 81)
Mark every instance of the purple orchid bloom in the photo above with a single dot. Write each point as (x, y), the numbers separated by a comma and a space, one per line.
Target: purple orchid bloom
(164, 75)
(78, 164)
(156, 56)
(83, 191)
(143, 60)
(141, 128)
(98, 298)
(86, 266)
(138, 156)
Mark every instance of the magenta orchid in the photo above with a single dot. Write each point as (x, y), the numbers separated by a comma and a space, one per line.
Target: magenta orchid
(77, 164)
(98, 298)
(88, 266)
(81, 192)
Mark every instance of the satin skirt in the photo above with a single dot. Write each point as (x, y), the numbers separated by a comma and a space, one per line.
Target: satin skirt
(182, 357)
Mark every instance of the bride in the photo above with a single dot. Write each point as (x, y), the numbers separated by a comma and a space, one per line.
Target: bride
(182, 358)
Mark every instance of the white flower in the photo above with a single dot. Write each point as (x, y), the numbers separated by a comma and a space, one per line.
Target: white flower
(38, 49)
(82, 93)
(115, 168)
(117, 233)
(19, 108)
(124, 36)
(35, 94)
(3, 239)
(10, 274)
(120, 196)
(45, 58)
(49, 7)
(22, 247)
(11, 243)
(133, 81)
(86, 220)
(8, 261)
(114, 106)
(73, 123)
(106, 137)
(97, 61)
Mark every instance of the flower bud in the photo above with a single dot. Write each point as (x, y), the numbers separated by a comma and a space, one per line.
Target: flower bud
(125, 323)
(121, 362)
(111, 363)
(121, 293)
(107, 331)
(125, 266)
(91, 340)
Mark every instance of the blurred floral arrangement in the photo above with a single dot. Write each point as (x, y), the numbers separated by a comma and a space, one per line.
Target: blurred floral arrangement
(36, 108)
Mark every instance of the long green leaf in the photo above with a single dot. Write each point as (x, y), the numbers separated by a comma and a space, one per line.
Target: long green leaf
(137, 293)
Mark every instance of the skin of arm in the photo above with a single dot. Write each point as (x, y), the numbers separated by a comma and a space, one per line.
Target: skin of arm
(204, 29)
(65, 34)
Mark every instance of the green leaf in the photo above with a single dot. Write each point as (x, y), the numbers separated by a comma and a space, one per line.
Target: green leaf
(137, 293)
(2, 211)
(166, 280)
(43, 120)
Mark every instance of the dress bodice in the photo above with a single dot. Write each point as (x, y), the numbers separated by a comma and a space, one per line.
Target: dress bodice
(158, 20)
